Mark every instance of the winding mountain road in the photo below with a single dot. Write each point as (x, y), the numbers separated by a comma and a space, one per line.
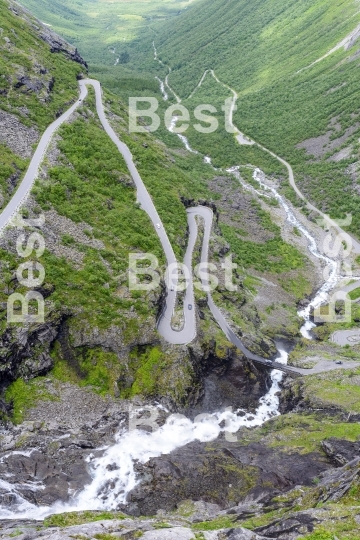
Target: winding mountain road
(243, 139)
(25, 186)
(188, 332)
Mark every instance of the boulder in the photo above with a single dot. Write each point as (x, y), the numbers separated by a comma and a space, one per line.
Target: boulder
(220, 472)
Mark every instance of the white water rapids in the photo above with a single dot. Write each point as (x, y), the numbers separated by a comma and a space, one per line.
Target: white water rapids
(182, 138)
(165, 95)
(113, 473)
(185, 141)
(332, 279)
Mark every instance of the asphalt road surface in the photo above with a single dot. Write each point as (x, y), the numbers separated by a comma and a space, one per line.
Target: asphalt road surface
(188, 331)
(25, 186)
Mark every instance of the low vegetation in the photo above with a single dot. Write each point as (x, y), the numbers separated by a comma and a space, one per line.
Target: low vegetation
(23, 54)
(24, 395)
(78, 518)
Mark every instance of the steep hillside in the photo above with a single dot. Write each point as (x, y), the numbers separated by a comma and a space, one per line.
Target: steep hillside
(268, 53)
(38, 81)
(39, 69)
(93, 318)
(96, 332)
(70, 384)
(92, 223)
(308, 114)
(112, 24)
(254, 44)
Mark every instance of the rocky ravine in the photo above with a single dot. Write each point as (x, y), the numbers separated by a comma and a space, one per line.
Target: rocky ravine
(187, 520)
(60, 432)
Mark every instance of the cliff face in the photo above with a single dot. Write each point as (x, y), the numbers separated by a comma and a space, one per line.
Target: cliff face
(25, 350)
(228, 379)
(59, 45)
(230, 474)
(56, 42)
(199, 378)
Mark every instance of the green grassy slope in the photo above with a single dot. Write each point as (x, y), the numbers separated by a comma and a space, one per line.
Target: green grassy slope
(258, 49)
(169, 175)
(252, 44)
(84, 182)
(25, 54)
(89, 183)
(26, 62)
(97, 27)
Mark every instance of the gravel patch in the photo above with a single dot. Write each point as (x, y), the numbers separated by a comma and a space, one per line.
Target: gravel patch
(16, 136)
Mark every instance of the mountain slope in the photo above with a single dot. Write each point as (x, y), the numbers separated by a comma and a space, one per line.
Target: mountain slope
(102, 30)
(35, 67)
(83, 186)
(252, 45)
(39, 79)
(99, 341)
(93, 334)
(260, 49)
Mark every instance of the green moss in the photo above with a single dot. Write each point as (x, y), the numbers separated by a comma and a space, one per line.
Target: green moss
(78, 518)
(162, 525)
(337, 522)
(352, 497)
(24, 395)
(355, 294)
(303, 432)
(262, 520)
(224, 522)
(16, 533)
(251, 283)
(320, 535)
(151, 364)
(185, 508)
(334, 388)
(96, 368)
(109, 536)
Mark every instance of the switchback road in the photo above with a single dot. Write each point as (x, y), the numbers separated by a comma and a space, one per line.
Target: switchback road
(188, 331)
